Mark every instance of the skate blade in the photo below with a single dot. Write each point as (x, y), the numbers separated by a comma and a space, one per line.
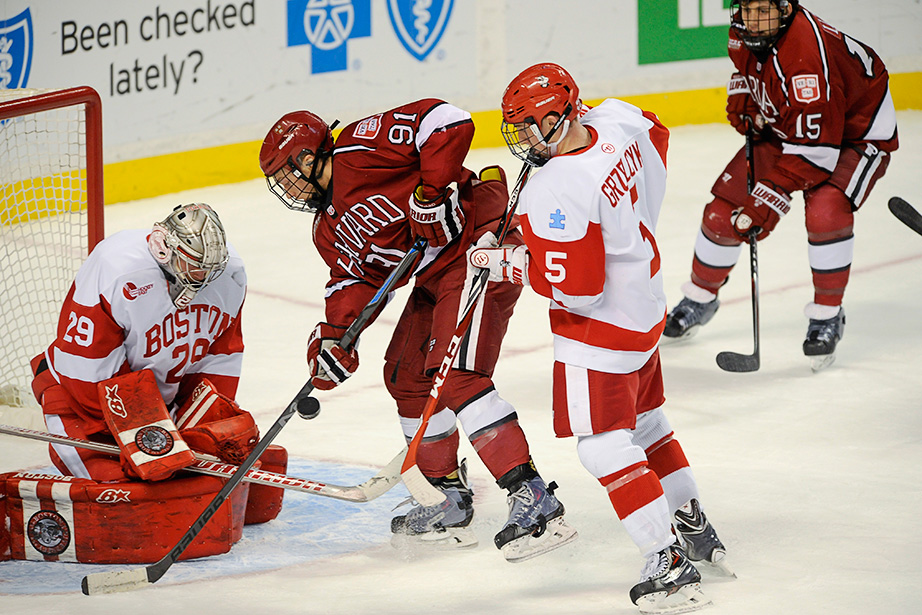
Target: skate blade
(447, 540)
(669, 341)
(719, 568)
(685, 599)
(820, 362)
(557, 534)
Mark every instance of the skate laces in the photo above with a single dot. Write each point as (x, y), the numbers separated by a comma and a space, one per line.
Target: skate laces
(656, 565)
(529, 501)
(690, 312)
(824, 330)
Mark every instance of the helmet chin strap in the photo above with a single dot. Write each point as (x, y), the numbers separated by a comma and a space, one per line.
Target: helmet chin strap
(550, 148)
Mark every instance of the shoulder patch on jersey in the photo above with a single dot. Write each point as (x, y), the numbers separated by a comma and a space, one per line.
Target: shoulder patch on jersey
(806, 88)
(734, 44)
(132, 291)
(557, 220)
(368, 128)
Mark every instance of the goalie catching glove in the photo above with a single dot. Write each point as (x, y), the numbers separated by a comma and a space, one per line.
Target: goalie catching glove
(329, 363)
(766, 205)
(438, 218)
(504, 263)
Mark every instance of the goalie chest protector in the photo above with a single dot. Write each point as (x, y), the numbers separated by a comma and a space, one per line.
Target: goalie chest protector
(63, 518)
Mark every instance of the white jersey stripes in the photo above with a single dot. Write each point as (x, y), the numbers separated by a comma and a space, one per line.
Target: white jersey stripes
(118, 316)
(589, 219)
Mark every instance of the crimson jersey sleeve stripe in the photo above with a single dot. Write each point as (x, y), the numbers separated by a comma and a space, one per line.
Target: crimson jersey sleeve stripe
(605, 335)
(549, 265)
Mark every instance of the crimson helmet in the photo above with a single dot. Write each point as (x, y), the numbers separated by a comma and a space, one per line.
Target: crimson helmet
(295, 134)
(761, 42)
(533, 94)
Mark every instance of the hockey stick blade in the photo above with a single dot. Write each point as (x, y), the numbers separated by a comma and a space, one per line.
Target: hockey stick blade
(906, 213)
(736, 362)
(374, 487)
(114, 582)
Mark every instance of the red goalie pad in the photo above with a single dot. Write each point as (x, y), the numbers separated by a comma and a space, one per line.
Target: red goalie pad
(151, 447)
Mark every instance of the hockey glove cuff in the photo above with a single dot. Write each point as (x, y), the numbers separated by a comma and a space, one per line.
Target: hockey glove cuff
(766, 205)
(439, 220)
(329, 363)
(504, 263)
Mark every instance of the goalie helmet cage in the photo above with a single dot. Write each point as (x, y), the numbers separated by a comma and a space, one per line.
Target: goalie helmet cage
(51, 216)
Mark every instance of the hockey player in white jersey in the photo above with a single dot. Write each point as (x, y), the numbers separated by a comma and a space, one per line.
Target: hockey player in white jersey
(589, 220)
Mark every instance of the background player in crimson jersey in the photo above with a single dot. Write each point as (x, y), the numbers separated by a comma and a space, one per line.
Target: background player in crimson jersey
(148, 352)
(390, 178)
(825, 125)
(589, 220)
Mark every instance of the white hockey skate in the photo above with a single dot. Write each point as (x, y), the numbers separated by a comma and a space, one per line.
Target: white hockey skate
(669, 584)
(536, 524)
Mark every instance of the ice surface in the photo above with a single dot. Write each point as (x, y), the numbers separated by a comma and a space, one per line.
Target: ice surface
(814, 481)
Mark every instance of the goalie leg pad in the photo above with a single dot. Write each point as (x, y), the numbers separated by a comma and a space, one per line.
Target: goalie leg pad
(149, 442)
(265, 502)
(214, 424)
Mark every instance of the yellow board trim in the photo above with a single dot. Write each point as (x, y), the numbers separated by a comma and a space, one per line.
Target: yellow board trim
(148, 177)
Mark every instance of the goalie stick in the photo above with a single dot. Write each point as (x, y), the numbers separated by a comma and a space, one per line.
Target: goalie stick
(735, 361)
(412, 476)
(906, 213)
(128, 580)
(374, 487)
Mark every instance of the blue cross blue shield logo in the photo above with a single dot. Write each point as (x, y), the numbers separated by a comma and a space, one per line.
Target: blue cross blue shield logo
(327, 26)
(419, 25)
(16, 50)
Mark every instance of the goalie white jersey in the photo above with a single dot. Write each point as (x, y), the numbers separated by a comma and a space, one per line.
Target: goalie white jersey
(589, 218)
(118, 317)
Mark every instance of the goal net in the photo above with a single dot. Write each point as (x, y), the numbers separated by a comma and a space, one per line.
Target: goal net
(50, 218)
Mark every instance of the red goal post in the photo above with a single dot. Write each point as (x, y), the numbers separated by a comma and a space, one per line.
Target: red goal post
(51, 216)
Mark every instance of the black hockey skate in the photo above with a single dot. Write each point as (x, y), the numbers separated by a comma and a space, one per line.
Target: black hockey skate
(444, 525)
(536, 524)
(669, 584)
(822, 338)
(699, 538)
(688, 316)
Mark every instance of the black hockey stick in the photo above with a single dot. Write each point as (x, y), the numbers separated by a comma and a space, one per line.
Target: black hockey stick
(308, 407)
(128, 580)
(734, 361)
(906, 213)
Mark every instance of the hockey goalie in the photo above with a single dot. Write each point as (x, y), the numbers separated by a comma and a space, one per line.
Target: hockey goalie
(147, 356)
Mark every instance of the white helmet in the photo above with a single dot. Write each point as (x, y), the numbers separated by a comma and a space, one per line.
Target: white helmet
(191, 247)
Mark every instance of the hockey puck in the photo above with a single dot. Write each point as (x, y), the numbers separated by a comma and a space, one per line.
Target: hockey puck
(308, 407)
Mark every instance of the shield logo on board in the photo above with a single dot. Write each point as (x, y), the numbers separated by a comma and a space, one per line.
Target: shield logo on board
(16, 45)
(419, 25)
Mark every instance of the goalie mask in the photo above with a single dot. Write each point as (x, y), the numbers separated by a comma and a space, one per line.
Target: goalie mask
(537, 91)
(760, 23)
(191, 247)
(291, 140)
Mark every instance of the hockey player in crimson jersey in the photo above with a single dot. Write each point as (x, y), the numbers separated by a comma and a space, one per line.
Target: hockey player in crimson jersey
(824, 125)
(589, 220)
(148, 352)
(389, 179)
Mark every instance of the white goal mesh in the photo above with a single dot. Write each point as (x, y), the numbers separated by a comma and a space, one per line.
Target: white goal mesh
(50, 217)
